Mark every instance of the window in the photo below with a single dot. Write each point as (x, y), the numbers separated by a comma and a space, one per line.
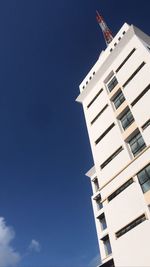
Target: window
(144, 178)
(95, 97)
(97, 116)
(111, 85)
(107, 245)
(125, 60)
(98, 202)
(146, 124)
(134, 73)
(102, 221)
(137, 144)
(126, 119)
(140, 95)
(111, 157)
(118, 100)
(131, 225)
(120, 189)
(103, 135)
(95, 181)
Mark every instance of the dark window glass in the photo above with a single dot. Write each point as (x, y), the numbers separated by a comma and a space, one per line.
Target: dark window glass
(96, 184)
(146, 186)
(126, 119)
(130, 226)
(92, 101)
(125, 60)
(111, 157)
(100, 113)
(134, 73)
(120, 189)
(99, 205)
(98, 202)
(112, 84)
(140, 95)
(118, 100)
(137, 144)
(144, 178)
(107, 245)
(106, 132)
(103, 222)
(146, 124)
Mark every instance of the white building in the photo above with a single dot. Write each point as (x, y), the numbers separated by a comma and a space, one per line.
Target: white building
(116, 101)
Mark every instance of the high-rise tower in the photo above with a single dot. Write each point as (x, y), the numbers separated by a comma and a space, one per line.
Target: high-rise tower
(116, 100)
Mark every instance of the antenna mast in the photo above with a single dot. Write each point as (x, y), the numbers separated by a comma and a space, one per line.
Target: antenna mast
(106, 31)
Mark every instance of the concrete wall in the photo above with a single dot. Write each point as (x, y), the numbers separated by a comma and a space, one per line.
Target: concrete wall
(132, 248)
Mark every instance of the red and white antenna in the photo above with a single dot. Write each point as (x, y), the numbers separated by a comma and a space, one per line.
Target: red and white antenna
(106, 31)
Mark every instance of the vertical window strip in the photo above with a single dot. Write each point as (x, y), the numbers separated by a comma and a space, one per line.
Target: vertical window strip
(112, 84)
(96, 184)
(127, 119)
(144, 178)
(118, 100)
(107, 245)
(137, 144)
(98, 199)
(102, 221)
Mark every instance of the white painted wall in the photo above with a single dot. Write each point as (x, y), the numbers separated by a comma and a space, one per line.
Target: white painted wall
(131, 249)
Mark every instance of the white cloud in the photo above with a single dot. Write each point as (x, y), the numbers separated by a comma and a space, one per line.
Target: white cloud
(8, 256)
(35, 246)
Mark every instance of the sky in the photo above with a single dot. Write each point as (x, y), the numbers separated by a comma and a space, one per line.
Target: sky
(46, 50)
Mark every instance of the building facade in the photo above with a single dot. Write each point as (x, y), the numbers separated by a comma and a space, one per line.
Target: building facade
(116, 101)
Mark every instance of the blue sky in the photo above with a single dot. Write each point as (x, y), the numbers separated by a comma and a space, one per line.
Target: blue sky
(46, 49)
